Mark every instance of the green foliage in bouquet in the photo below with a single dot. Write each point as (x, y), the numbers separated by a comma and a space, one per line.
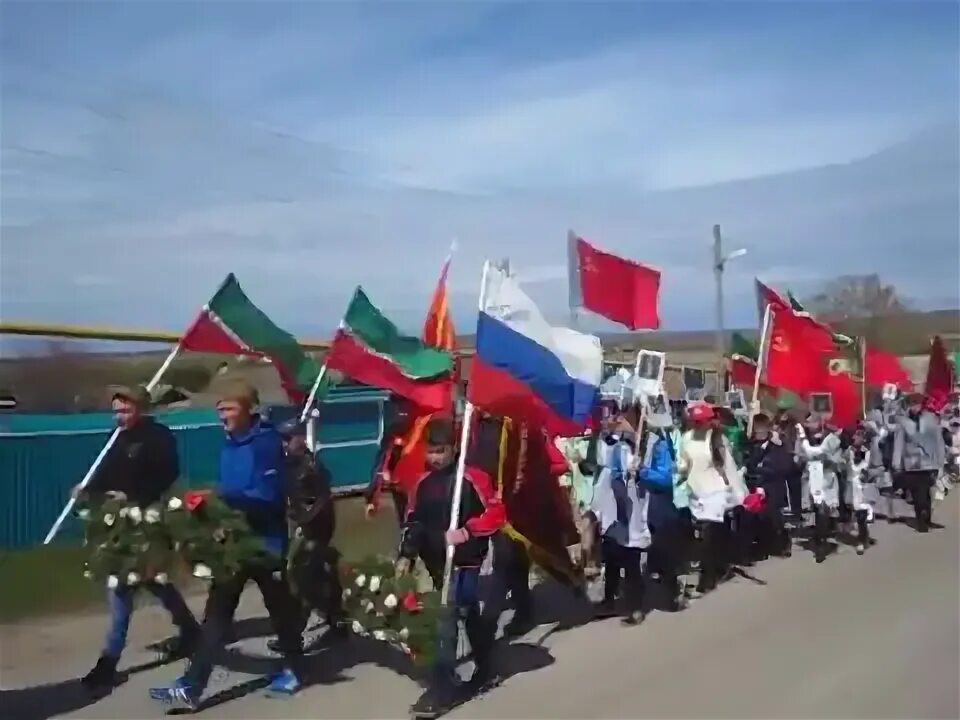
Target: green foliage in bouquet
(126, 544)
(389, 608)
(213, 538)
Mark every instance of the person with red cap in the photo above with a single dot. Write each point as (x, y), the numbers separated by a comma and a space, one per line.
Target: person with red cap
(716, 486)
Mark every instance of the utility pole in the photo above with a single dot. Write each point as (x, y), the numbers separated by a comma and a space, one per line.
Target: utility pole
(718, 263)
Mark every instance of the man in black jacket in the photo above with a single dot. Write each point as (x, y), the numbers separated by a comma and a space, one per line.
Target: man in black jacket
(139, 468)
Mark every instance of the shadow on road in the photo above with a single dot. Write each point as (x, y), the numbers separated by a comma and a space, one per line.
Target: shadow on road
(45, 701)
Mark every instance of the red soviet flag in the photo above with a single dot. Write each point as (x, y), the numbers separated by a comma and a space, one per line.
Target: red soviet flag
(796, 357)
(621, 290)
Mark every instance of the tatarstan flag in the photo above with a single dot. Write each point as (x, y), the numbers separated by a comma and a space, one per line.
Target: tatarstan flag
(369, 348)
(233, 325)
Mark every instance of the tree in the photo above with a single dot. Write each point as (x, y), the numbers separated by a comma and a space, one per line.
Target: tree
(851, 297)
(861, 305)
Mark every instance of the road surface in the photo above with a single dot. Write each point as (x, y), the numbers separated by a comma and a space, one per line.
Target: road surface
(856, 637)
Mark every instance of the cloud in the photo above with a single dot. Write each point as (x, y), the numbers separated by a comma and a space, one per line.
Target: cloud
(147, 153)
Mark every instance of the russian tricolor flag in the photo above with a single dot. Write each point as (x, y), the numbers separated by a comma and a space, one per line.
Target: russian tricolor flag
(528, 370)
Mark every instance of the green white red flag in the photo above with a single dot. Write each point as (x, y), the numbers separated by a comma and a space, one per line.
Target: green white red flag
(370, 349)
(233, 325)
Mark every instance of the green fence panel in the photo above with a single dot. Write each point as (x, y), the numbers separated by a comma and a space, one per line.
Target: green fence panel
(43, 456)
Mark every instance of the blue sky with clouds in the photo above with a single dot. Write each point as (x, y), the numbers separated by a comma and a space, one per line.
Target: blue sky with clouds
(150, 147)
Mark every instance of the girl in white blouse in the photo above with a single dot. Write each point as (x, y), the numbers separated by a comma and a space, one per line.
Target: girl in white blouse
(705, 462)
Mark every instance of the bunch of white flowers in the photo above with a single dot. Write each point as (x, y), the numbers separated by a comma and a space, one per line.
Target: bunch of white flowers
(174, 503)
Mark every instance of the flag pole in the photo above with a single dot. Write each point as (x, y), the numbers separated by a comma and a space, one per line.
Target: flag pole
(312, 396)
(111, 441)
(863, 374)
(761, 366)
(461, 464)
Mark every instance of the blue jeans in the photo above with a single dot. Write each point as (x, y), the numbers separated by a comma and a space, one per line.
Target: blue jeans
(120, 601)
(465, 586)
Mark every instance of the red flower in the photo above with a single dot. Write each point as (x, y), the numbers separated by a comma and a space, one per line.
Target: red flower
(192, 499)
(410, 602)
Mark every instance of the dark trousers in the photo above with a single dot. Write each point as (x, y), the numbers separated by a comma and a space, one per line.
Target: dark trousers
(863, 533)
(511, 571)
(715, 551)
(663, 563)
(774, 539)
(795, 491)
(285, 615)
(822, 528)
(317, 581)
(920, 486)
(617, 558)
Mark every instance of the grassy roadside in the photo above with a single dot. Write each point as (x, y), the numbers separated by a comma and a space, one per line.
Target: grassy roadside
(48, 580)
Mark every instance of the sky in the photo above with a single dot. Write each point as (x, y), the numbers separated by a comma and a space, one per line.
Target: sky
(149, 148)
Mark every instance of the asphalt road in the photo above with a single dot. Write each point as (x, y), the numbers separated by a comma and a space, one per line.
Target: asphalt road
(876, 636)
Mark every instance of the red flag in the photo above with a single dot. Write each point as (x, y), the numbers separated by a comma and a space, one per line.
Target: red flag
(438, 330)
(768, 296)
(621, 290)
(847, 403)
(743, 371)
(795, 357)
(940, 378)
(884, 367)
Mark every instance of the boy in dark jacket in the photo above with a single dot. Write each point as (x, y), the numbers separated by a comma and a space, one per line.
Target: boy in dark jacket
(140, 467)
(426, 534)
(768, 463)
(312, 560)
(251, 479)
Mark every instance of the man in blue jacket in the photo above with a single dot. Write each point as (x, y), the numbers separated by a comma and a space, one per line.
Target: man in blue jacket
(250, 480)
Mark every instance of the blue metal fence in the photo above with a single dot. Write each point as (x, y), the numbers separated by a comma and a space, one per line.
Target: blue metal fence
(43, 456)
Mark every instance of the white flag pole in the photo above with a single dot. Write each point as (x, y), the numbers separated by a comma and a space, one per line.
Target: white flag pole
(154, 381)
(761, 366)
(461, 464)
(308, 405)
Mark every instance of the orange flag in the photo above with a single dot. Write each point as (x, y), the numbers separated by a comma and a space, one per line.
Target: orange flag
(438, 331)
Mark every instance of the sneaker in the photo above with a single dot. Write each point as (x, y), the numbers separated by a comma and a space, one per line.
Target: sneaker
(861, 549)
(635, 618)
(178, 696)
(102, 677)
(285, 682)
